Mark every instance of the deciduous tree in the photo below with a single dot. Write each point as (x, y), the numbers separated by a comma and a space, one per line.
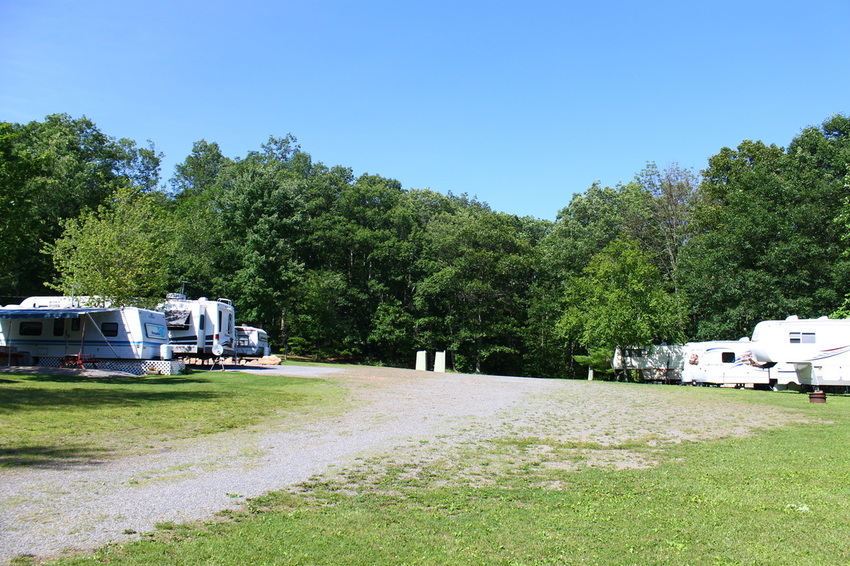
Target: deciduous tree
(121, 252)
(619, 301)
(51, 171)
(476, 270)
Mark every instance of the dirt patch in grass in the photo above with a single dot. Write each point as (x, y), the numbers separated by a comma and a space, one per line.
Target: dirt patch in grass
(395, 428)
(570, 426)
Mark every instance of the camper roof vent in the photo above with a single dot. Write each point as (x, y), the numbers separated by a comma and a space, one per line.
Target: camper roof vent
(175, 297)
(793, 317)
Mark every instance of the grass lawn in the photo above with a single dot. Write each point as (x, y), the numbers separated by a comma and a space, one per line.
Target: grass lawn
(781, 496)
(53, 418)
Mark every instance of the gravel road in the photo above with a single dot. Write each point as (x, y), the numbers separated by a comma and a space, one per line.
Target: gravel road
(396, 414)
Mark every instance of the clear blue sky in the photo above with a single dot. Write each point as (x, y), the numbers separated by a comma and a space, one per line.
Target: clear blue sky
(520, 103)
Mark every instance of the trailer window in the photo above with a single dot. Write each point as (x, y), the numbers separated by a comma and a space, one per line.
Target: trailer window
(201, 320)
(727, 357)
(30, 328)
(75, 324)
(634, 352)
(155, 331)
(801, 337)
(58, 326)
(109, 328)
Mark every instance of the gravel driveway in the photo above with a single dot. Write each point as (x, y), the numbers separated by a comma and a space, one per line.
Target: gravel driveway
(399, 415)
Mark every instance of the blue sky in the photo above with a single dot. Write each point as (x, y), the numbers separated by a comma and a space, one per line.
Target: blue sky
(521, 104)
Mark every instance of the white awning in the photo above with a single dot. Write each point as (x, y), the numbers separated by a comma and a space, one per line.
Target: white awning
(49, 313)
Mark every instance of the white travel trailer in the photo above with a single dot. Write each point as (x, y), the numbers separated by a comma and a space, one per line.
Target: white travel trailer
(202, 327)
(730, 363)
(252, 341)
(818, 349)
(50, 330)
(656, 363)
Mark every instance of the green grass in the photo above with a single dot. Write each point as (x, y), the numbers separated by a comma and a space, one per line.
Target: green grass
(49, 419)
(779, 497)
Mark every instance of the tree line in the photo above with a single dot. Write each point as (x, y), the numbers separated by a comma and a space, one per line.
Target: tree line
(335, 265)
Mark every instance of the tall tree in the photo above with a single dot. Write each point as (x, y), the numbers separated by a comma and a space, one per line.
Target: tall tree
(672, 192)
(476, 269)
(590, 222)
(52, 171)
(730, 267)
(766, 243)
(200, 172)
(19, 232)
(261, 215)
(820, 170)
(120, 253)
(358, 231)
(619, 301)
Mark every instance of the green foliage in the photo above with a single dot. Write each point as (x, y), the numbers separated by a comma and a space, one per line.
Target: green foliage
(653, 210)
(843, 311)
(261, 218)
(665, 203)
(592, 220)
(729, 501)
(767, 245)
(394, 328)
(315, 324)
(619, 301)
(49, 419)
(598, 359)
(358, 243)
(200, 172)
(120, 253)
(52, 171)
(336, 265)
(473, 296)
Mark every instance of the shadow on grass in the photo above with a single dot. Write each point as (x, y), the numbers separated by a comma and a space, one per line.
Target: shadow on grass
(51, 457)
(117, 379)
(22, 398)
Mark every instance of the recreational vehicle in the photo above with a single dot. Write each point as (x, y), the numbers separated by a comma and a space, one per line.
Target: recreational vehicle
(730, 363)
(202, 327)
(818, 349)
(252, 342)
(48, 329)
(656, 363)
